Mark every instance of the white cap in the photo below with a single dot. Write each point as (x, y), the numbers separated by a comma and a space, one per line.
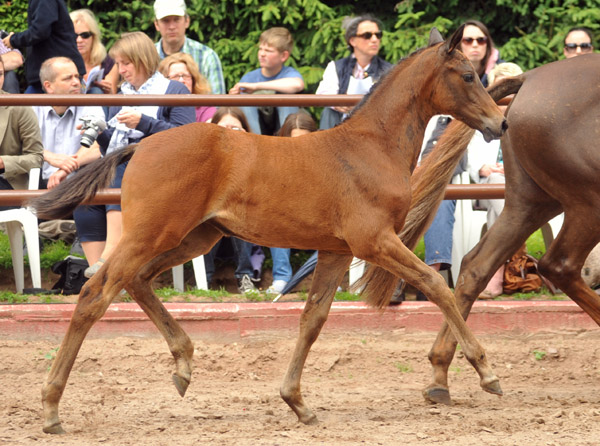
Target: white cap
(165, 8)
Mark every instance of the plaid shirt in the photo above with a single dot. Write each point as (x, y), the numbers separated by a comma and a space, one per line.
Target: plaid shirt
(208, 61)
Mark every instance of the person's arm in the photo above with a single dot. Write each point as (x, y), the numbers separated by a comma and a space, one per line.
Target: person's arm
(68, 163)
(171, 116)
(32, 149)
(42, 14)
(84, 156)
(286, 85)
(12, 60)
(110, 81)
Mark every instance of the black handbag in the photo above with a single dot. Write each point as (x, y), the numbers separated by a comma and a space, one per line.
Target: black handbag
(71, 275)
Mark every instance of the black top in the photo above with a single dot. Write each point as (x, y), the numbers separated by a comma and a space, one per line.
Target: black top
(50, 33)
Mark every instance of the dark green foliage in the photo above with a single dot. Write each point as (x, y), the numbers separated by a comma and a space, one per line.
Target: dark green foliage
(528, 32)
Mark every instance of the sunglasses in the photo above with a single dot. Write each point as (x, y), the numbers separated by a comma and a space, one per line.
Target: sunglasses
(368, 35)
(585, 47)
(469, 40)
(84, 35)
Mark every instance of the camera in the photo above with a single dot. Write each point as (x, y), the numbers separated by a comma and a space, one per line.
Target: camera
(3, 34)
(91, 126)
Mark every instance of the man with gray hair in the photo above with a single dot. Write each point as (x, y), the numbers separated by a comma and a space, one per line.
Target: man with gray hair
(60, 124)
(171, 21)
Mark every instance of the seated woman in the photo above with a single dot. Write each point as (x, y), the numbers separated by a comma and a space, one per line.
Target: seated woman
(89, 45)
(233, 118)
(486, 167)
(182, 68)
(99, 227)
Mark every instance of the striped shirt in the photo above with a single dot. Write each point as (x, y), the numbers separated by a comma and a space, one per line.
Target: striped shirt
(208, 61)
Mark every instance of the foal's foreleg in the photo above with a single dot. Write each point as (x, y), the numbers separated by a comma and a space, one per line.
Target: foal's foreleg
(389, 252)
(197, 242)
(328, 275)
(93, 301)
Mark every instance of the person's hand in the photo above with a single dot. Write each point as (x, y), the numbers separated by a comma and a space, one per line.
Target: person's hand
(487, 169)
(56, 178)
(130, 118)
(105, 86)
(343, 108)
(6, 41)
(236, 89)
(68, 163)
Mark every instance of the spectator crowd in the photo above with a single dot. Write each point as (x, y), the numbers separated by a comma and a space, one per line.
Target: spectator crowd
(62, 53)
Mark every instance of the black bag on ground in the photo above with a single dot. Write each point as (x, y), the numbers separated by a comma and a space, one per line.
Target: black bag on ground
(71, 275)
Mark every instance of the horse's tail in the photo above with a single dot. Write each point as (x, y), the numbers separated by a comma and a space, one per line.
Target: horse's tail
(429, 182)
(60, 201)
(428, 187)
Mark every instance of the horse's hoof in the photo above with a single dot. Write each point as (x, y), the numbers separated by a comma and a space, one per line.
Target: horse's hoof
(54, 429)
(309, 420)
(493, 387)
(437, 395)
(181, 384)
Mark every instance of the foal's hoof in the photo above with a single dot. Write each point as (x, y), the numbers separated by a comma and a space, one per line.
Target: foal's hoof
(54, 429)
(437, 395)
(493, 387)
(310, 420)
(181, 384)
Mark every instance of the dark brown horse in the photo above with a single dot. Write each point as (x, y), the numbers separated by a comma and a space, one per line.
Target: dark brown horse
(345, 192)
(552, 159)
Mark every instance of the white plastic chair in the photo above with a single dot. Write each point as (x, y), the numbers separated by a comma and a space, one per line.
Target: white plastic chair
(23, 221)
(199, 274)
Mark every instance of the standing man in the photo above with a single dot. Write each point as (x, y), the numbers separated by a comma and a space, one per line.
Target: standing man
(171, 22)
(63, 152)
(20, 144)
(577, 42)
(50, 33)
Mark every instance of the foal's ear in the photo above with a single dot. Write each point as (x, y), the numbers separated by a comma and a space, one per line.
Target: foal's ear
(435, 37)
(454, 41)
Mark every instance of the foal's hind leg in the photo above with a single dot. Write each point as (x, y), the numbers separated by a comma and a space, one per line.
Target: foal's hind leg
(93, 301)
(328, 275)
(196, 243)
(507, 234)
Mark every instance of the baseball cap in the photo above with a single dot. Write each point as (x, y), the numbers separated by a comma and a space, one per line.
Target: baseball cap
(165, 8)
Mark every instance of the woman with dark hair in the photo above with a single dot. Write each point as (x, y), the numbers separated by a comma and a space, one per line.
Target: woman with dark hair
(298, 124)
(356, 73)
(478, 46)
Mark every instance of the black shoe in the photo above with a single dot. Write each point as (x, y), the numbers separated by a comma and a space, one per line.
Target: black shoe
(421, 296)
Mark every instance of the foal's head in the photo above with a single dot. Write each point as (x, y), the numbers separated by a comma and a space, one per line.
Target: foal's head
(456, 89)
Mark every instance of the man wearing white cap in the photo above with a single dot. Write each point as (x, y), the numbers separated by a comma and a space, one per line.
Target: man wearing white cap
(171, 22)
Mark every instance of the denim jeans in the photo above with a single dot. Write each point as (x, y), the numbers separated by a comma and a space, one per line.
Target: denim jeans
(438, 238)
(242, 250)
(282, 269)
(252, 116)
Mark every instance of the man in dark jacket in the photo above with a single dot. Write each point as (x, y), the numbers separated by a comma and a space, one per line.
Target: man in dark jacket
(50, 33)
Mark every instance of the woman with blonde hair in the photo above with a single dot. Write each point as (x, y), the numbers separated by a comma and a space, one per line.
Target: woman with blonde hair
(181, 67)
(93, 52)
(99, 227)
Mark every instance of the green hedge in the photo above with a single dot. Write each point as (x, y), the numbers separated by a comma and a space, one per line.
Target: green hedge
(528, 32)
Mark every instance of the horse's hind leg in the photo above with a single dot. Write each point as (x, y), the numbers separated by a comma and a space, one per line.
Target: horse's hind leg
(196, 243)
(93, 301)
(328, 275)
(563, 262)
(506, 235)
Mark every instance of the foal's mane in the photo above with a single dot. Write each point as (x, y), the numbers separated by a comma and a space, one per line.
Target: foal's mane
(382, 81)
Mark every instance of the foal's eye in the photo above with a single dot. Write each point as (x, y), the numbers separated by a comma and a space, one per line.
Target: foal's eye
(468, 77)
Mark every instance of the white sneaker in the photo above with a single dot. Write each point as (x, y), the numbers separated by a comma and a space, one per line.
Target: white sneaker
(277, 287)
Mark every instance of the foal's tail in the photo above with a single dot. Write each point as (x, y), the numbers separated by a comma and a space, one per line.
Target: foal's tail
(429, 182)
(63, 199)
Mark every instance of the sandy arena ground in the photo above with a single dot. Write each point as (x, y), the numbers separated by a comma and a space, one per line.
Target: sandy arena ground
(365, 388)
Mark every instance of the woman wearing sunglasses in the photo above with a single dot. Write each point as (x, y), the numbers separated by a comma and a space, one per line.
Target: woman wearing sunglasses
(356, 73)
(478, 46)
(94, 55)
(578, 41)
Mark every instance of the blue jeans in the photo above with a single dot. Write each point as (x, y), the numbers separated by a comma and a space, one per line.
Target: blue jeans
(438, 238)
(282, 268)
(252, 116)
(242, 250)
